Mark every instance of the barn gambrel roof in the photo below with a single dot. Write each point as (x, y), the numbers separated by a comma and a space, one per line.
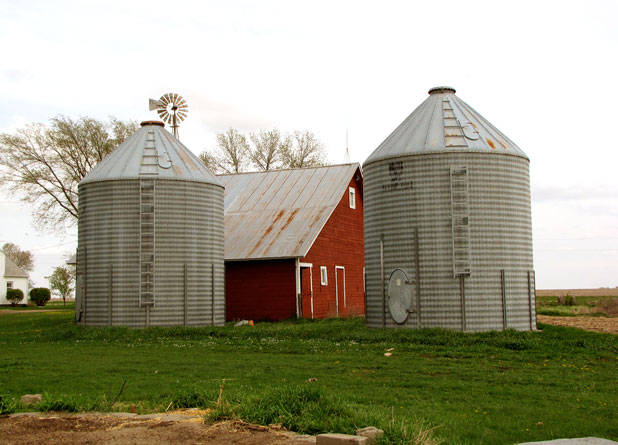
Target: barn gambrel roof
(280, 213)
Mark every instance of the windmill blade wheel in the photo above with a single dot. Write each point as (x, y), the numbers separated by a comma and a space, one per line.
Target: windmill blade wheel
(173, 104)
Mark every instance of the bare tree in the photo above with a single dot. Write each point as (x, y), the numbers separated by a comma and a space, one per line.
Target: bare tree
(268, 148)
(231, 154)
(43, 164)
(210, 161)
(23, 258)
(305, 151)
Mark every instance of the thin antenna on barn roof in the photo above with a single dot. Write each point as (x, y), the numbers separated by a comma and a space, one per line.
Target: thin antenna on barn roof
(346, 159)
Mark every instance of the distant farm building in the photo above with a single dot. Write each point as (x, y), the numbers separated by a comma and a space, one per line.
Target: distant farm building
(13, 277)
(294, 243)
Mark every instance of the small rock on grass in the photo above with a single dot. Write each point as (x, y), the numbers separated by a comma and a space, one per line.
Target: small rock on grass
(305, 438)
(371, 432)
(31, 399)
(340, 439)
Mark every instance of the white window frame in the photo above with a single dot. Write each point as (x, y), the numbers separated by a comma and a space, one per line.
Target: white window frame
(345, 304)
(323, 275)
(310, 267)
(352, 197)
(9, 285)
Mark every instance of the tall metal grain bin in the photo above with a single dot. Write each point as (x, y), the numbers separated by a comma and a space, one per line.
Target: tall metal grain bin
(448, 232)
(150, 243)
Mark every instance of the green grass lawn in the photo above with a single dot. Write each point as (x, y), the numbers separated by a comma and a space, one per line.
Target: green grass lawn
(53, 304)
(486, 388)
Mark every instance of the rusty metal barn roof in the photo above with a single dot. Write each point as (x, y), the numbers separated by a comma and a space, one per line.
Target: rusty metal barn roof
(13, 270)
(444, 123)
(151, 152)
(280, 213)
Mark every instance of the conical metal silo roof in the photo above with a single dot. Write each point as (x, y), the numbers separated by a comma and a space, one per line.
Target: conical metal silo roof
(444, 123)
(151, 152)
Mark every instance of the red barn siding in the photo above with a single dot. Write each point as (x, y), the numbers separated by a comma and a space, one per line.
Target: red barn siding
(260, 290)
(340, 243)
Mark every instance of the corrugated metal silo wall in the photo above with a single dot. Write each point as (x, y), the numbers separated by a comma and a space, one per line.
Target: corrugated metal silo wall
(109, 236)
(401, 194)
(188, 231)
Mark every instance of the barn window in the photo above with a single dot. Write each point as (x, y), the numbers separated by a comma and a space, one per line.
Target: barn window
(352, 198)
(9, 285)
(323, 276)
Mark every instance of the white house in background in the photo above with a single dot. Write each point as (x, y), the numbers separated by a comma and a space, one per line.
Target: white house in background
(13, 277)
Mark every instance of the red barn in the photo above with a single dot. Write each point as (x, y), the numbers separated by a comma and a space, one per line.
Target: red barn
(294, 243)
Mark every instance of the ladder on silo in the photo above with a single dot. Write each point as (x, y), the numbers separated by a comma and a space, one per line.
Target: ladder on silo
(148, 171)
(460, 221)
(147, 248)
(453, 133)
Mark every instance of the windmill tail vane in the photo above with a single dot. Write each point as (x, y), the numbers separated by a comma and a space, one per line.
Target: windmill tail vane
(172, 108)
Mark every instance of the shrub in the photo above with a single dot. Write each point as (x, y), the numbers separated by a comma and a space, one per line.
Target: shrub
(560, 300)
(63, 403)
(40, 295)
(14, 296)
(7, 406)
(302, 409)
(611, 307)
(193, 399)
(570, 300)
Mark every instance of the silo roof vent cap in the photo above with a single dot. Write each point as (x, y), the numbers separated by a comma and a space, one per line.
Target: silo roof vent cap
(145, 123)
(441, 89)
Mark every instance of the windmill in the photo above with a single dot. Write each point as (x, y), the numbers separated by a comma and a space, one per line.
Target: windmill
(172, 108)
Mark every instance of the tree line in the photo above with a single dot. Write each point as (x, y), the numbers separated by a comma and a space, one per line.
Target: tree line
(263, 150)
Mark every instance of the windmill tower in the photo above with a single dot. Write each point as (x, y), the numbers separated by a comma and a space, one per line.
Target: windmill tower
(172, 108)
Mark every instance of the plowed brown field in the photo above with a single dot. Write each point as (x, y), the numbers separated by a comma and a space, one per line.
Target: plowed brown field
(597, 324)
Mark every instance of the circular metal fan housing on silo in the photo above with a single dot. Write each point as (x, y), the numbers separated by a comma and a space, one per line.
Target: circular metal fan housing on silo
(400, 298)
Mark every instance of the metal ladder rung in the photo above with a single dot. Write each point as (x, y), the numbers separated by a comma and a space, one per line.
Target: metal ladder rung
(147, 232)
(460, 220)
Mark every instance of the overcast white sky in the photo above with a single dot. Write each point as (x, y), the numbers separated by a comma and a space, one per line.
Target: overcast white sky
(543, 72)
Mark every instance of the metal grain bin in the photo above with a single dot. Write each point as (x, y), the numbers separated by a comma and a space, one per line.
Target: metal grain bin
(448, 232)
(150, 243)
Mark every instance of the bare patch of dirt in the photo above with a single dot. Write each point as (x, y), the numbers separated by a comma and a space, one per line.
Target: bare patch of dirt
(596, 324)
(155, 429)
